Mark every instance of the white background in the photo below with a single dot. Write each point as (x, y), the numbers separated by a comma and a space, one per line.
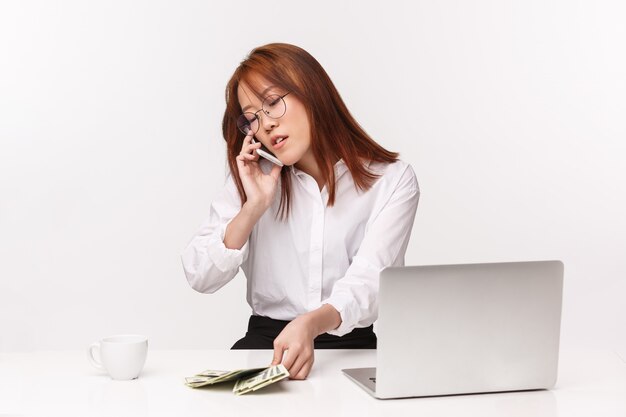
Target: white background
(512, 114)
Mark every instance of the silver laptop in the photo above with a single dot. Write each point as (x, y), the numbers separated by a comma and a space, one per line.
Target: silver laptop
(460, 329)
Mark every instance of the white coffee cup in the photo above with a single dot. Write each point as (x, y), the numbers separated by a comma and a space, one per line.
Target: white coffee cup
(121, 356)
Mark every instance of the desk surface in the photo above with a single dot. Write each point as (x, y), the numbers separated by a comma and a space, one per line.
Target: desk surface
(64, 384)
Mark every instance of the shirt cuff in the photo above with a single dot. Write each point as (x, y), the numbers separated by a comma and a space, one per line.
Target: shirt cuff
(342, 305)
(225, 259)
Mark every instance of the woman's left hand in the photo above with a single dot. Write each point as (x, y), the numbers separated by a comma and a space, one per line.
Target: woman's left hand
(296, 343)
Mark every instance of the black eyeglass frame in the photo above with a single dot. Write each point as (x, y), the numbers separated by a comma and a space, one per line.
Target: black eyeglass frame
(255, 114)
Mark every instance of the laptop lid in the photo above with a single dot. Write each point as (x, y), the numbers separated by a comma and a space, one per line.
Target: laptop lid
(454, 329)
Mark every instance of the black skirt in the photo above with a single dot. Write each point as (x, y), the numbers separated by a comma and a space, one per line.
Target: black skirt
(263, 330)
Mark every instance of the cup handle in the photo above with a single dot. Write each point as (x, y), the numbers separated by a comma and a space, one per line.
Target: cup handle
(97, 364)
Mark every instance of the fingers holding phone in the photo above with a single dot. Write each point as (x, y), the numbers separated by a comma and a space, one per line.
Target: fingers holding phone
(248, 149)
(259, 187)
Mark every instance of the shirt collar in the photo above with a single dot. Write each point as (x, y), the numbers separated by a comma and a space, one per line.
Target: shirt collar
(340, 168)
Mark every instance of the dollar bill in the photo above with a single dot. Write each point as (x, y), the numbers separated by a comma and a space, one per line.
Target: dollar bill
(247, 379)
(211, 377)
(261, 379)
(196, 381)
(238, 374)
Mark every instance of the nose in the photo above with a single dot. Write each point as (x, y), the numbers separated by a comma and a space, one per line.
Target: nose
(267, 122)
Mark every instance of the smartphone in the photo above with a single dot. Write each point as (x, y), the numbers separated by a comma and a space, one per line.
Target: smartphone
(262, 151)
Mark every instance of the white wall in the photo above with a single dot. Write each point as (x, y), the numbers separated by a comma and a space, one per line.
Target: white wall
(511, 113)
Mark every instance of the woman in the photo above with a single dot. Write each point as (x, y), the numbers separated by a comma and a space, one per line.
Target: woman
(312, 252)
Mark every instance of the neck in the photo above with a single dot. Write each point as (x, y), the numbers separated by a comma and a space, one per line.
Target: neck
(308, 164)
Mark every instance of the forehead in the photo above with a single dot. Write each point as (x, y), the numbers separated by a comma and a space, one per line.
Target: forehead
(253, 90)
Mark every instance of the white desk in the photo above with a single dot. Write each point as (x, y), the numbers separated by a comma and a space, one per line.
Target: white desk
(64, 384)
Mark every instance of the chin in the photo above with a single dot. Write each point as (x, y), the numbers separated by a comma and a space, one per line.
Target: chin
(288, 160)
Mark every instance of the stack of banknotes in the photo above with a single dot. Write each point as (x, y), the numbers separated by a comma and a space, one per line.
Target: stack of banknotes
(247, 379)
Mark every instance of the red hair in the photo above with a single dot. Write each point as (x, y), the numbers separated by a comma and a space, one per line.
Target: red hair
(334, 132)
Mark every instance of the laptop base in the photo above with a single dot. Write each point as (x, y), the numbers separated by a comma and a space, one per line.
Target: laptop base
(363, 377)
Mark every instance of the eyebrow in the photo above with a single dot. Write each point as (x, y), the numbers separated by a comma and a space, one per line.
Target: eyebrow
(262, 94)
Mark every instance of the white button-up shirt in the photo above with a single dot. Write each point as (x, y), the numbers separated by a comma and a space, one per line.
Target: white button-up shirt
(319, 255)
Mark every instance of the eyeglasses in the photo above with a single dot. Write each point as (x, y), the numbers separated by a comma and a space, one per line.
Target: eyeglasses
(273, 106)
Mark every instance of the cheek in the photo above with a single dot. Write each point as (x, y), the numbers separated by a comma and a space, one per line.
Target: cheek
(304, 129)
(304, 137)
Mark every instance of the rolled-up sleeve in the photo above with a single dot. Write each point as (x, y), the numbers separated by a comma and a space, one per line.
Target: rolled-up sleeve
(207, 262)
(355, 295)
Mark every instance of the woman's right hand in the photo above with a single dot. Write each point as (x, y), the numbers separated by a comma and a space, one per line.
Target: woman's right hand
(260, 188)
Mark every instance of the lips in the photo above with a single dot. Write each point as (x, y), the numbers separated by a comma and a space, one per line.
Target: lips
(278, 141)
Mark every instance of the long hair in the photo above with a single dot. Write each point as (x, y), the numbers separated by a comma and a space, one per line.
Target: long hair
(334, 132)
